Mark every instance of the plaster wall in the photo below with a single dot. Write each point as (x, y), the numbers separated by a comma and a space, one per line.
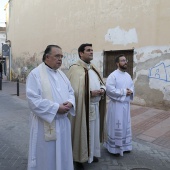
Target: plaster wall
(141, 25)
(152, 76)
(2, 40)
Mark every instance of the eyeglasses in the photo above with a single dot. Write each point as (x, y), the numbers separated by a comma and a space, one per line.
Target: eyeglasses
(124, 61)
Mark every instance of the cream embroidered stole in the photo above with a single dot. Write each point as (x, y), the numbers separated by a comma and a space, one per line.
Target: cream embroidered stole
(49, 128)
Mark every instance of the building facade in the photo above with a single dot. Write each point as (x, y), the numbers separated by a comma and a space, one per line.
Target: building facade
(138, 28)
(2, 38)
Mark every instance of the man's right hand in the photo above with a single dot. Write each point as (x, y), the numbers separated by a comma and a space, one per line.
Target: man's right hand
(63, 109)
(95, 93)
(128, 92)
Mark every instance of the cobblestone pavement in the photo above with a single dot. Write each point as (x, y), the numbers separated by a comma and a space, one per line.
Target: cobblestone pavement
(150, 127)
(14, 133)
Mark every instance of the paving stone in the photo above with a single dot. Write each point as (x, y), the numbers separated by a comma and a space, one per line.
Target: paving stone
(114, 162)
(14, 141)
(138, 111)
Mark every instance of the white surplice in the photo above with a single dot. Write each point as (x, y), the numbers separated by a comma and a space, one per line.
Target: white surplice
(56, 154)
(118, 112)
(94, 116)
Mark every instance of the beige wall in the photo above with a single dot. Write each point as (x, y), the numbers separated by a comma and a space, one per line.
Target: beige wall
(34, 24)
(2, 40)
(109, 25)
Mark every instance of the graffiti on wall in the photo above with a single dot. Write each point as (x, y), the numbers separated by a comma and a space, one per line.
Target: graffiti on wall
(69, 59)
(161, 72)
(21, 66)
(72, 57)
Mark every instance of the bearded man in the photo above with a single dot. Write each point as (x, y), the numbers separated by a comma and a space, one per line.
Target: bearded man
(120, 90)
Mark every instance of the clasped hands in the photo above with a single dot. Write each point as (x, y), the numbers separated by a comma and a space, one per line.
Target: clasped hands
(128, 92)
(96, 93)
(65, 107)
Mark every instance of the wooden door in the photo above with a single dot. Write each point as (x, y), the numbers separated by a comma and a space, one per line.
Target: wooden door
(109, 61)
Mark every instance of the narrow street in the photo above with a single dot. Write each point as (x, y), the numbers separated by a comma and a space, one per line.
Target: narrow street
(150, 127)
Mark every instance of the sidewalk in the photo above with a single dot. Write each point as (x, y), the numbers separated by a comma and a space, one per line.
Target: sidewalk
(150, 127)
(10, 88)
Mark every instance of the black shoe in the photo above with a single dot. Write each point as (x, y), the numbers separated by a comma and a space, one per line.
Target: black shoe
(95, 159)
(116, 154)
(78, 166)
(127, 152)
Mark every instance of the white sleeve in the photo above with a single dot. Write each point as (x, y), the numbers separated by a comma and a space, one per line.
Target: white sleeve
(43, 108)
(71, 99)
(111, 90)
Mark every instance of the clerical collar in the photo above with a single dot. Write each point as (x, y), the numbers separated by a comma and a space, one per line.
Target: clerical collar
(47, 65)
(50, 67)
(86, 65)
(85, 62)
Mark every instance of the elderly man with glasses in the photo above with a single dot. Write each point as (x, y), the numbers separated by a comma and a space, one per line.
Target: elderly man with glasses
(50, 98)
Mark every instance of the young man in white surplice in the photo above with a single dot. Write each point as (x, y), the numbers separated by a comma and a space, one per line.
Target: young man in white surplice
(120, 90)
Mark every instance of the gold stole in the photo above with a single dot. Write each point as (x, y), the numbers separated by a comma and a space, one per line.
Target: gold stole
(49, 128)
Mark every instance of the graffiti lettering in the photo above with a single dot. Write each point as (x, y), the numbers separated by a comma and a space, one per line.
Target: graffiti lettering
(160, 72)
(69, 59)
